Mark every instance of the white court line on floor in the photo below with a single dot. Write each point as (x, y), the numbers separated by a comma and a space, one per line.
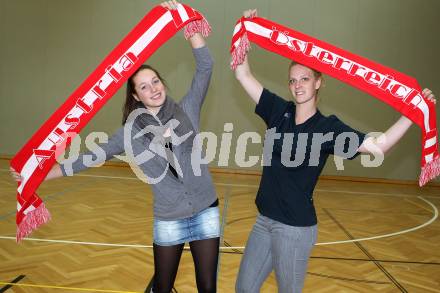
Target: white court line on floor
(256, 186)
(435, 212)
(432, 196)
(435, 216)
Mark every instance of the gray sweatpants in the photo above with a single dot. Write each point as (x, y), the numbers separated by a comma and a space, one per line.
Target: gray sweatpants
(273, 245)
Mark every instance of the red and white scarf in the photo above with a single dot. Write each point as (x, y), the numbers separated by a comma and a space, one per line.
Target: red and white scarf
(398, 90)
(38, 155)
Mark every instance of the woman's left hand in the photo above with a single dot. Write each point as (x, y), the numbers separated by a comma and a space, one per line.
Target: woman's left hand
(427, 93)
(170, 5)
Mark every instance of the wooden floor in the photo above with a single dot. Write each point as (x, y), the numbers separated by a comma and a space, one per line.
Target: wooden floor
(372, 237)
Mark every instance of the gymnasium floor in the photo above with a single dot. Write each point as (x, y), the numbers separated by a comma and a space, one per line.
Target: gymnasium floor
(372, 237)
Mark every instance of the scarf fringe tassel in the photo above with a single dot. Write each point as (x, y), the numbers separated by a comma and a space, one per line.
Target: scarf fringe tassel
(430, 171)
(32, 221)
(240, 52)
(198, 26)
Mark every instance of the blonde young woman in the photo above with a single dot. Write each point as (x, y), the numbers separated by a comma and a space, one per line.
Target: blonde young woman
(286, 227)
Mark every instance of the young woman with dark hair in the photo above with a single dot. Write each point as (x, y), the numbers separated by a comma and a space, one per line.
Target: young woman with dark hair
(185, 205)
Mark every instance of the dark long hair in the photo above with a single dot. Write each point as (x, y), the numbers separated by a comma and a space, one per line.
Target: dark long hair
(130, 102)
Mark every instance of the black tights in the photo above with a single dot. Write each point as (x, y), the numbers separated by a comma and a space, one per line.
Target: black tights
(205, 256)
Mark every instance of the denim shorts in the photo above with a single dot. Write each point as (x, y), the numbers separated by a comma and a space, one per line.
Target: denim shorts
(203, 225)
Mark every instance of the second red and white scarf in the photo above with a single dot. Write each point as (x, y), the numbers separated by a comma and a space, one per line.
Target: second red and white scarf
(398, 90)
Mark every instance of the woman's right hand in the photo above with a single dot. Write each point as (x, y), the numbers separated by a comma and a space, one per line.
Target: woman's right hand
(15, 175)
(250, 13)
(55, 172)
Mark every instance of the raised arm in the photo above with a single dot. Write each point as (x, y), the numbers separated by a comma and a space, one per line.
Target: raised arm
(193, 100)
(55, 172)
(197, 41)
(202, 76)
(243, 72)
(100, 153)
(196, 94)
(97, 155)
(388, 139)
